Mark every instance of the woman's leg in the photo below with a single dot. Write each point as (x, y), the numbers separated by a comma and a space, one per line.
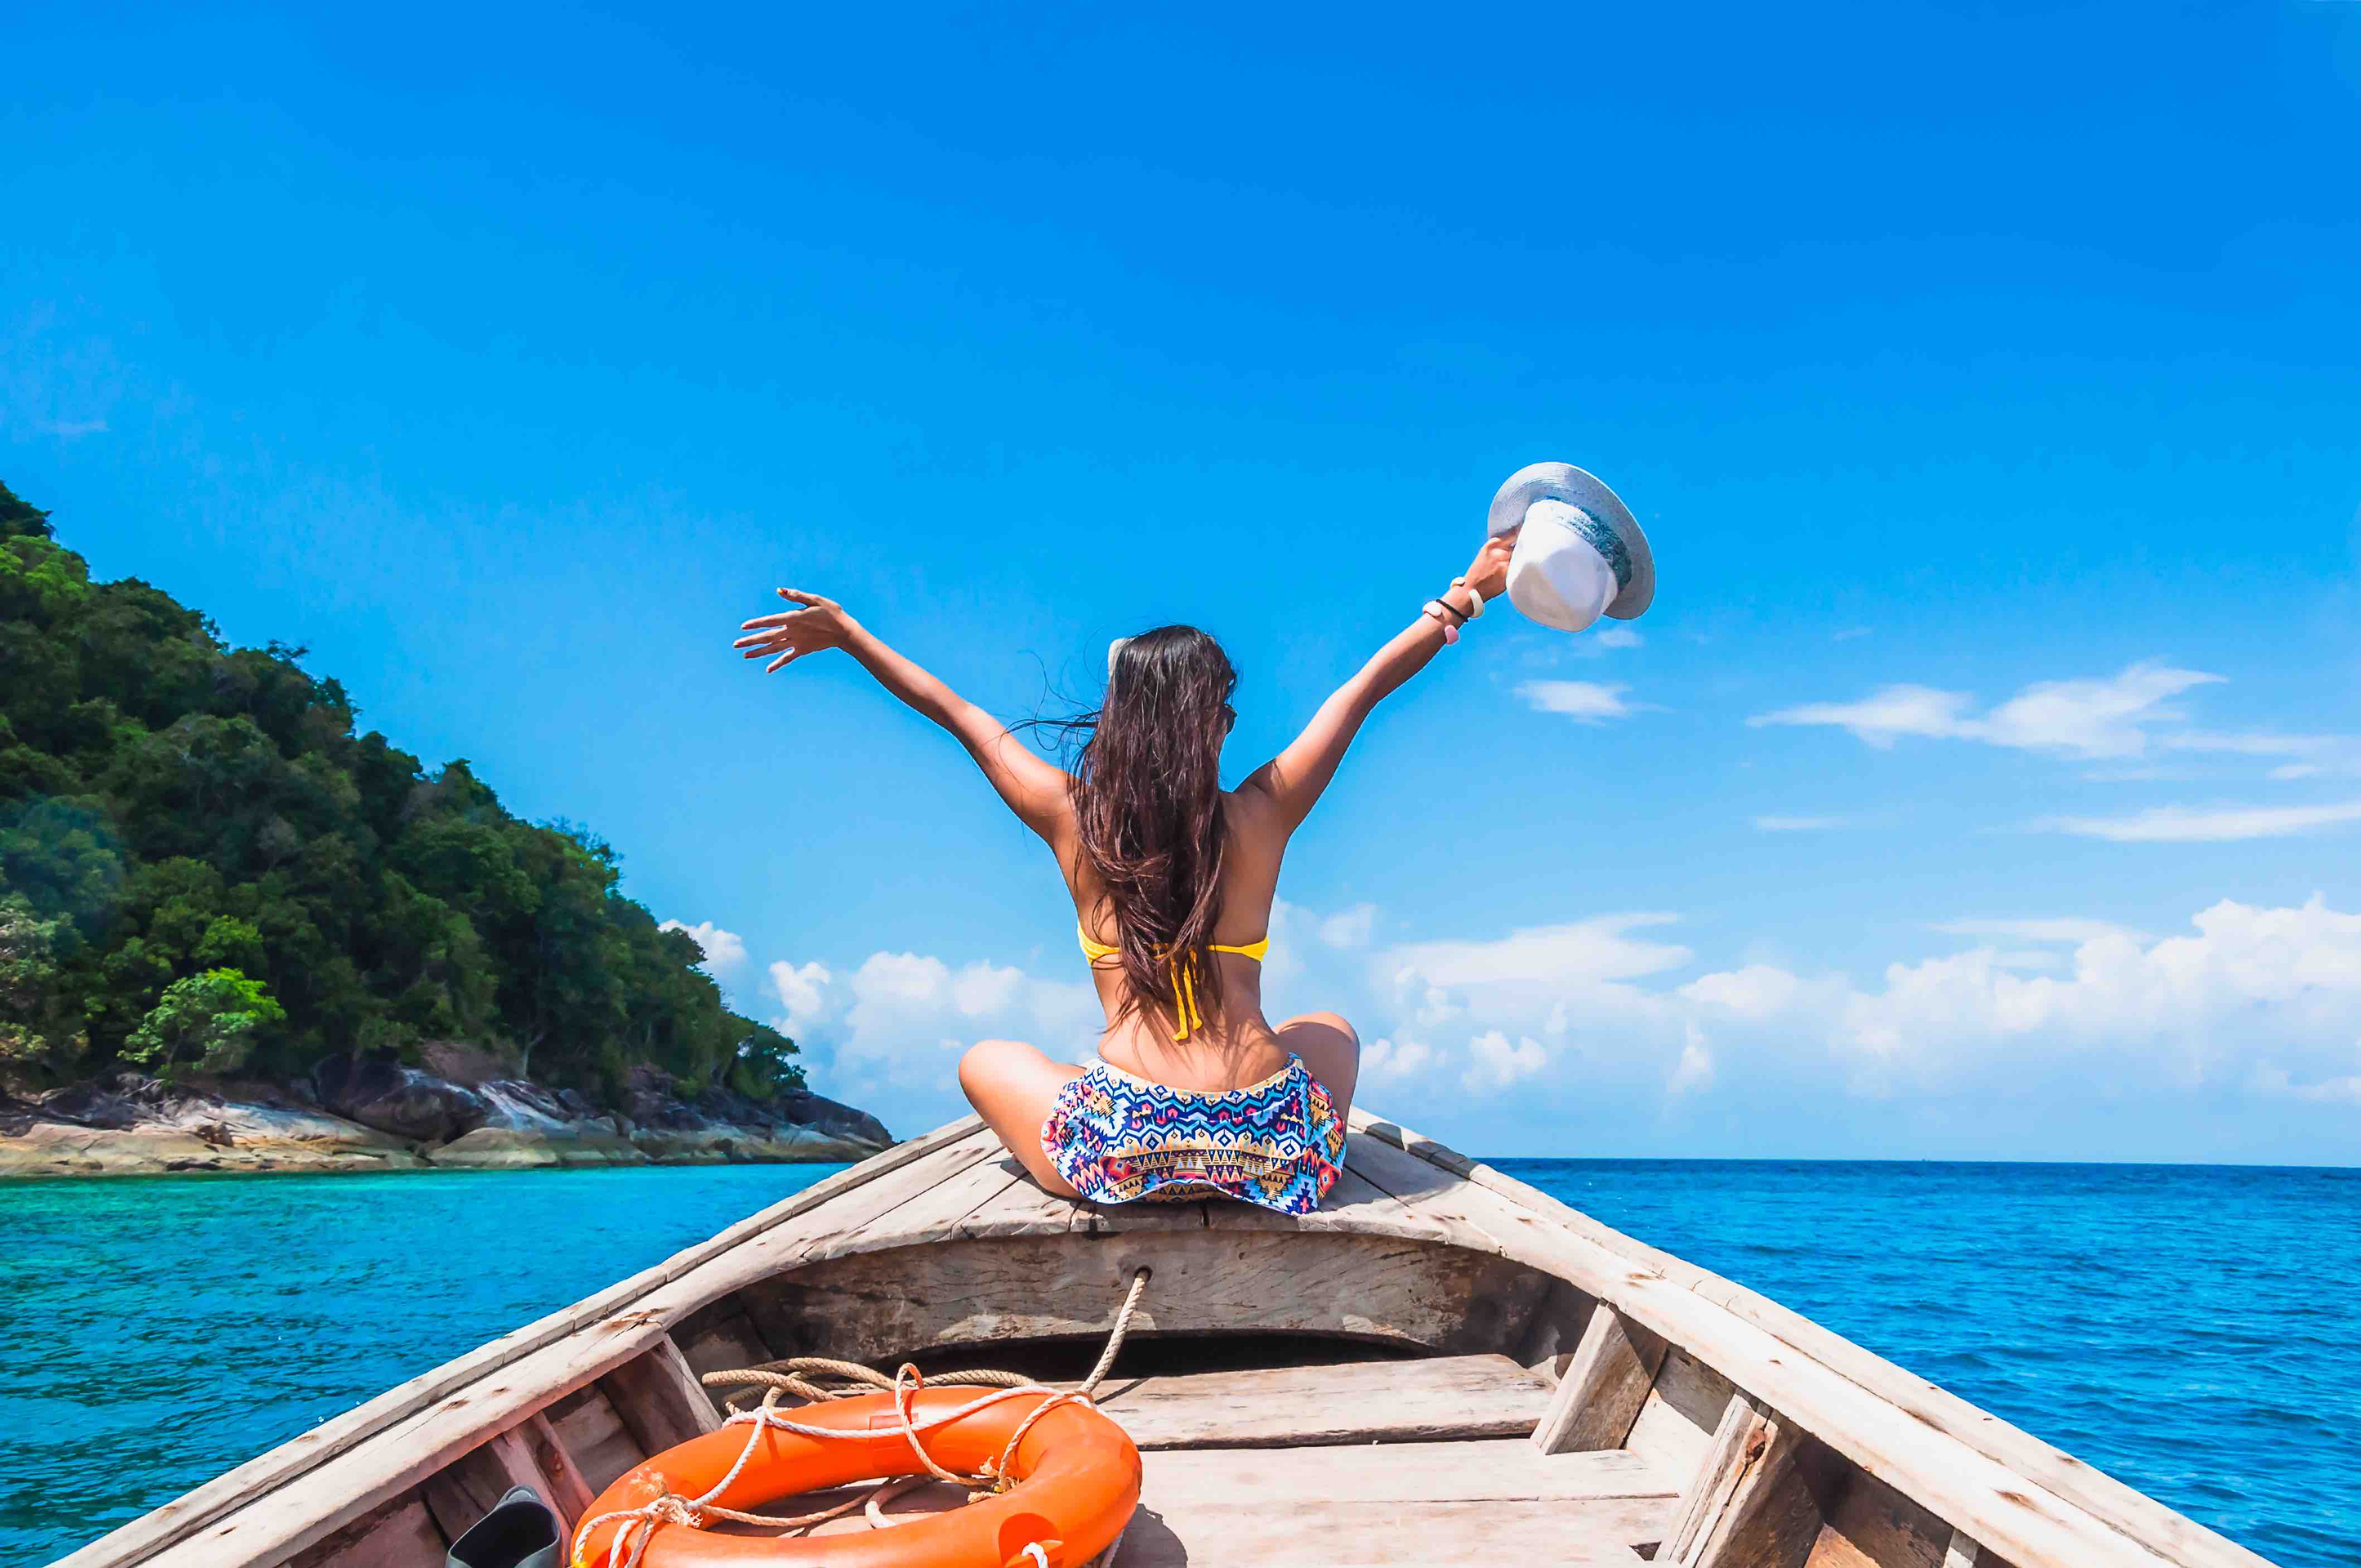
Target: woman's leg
(1330, 1048)
(1011, 1084)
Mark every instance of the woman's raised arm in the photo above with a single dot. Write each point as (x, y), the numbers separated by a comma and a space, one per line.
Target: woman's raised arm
(1032, 788)
(1294, 779)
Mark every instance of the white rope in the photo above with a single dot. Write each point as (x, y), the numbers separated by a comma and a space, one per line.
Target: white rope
(670, 1508)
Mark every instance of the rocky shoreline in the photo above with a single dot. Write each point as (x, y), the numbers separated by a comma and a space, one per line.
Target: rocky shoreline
(460, 1111)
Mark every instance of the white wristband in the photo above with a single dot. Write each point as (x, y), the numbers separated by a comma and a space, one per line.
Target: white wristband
(1478, 613)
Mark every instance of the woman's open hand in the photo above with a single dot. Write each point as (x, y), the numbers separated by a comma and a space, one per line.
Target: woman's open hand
(815, 623)
(1489, 573)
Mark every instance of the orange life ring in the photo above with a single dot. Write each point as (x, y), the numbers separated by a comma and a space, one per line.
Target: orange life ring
(1076, 1484)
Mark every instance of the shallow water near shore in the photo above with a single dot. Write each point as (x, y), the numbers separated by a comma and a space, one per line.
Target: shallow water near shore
(2192, 1330)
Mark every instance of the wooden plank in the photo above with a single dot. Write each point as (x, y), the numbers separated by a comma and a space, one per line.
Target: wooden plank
(660, 1398)
(1615, 1364)
(1023, 1208)
(472, 1484)
(1559, 1320)
(1677, 1420)
(399, 1535)
(942, 1215)
(875, 1306)
(593, 1436)
(1773, 1516)
(1744, 1428)
(1488, 1470)
(1870, 1525)
(1437, 1399)
(183, 1516)
(570, 1492)
(724, 1340)
(1412, 1535)
(1354, 1207)
(2148, 1525)
(1119, 1219)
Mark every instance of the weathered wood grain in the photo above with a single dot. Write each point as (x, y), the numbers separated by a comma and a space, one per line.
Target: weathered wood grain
(1872, 1525)
(1359, 1402)
(722, 1339)
(1494, 1470)
(1682, 1410)
(593, 1435)
(1773, 1514)
(1614, 1366)
(402, 1534)
(660, 1398)
(1410, 1535)
(570, 1492)
(469, 1486)
(1737, 1443)
(874, 1306)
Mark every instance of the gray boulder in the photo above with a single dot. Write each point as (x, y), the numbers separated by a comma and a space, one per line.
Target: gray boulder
(385, 1095)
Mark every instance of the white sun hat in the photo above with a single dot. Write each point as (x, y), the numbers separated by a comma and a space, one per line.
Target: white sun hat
(1581, 554)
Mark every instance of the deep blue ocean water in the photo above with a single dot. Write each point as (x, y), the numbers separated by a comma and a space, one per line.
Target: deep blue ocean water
(2194, 1329)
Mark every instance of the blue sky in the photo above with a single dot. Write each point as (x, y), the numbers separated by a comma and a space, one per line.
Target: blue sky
(1985, 782)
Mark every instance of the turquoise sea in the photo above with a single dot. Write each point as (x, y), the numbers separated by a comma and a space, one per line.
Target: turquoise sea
(2194, 1329)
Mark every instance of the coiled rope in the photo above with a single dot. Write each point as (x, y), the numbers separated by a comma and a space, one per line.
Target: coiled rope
(816, 1379)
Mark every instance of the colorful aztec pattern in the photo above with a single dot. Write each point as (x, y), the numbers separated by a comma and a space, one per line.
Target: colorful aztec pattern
(1121, 1139)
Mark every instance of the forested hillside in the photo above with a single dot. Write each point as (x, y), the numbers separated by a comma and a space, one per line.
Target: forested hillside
(205, 870)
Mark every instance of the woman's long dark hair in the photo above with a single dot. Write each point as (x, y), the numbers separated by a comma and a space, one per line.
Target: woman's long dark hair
(1147, 798)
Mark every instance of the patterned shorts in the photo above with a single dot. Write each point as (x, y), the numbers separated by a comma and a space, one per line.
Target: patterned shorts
(1121, 1139)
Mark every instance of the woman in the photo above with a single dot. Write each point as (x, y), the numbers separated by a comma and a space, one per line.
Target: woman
(1194, 1093)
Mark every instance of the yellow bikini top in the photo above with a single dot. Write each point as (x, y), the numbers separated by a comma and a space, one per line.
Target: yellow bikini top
(1182, 987)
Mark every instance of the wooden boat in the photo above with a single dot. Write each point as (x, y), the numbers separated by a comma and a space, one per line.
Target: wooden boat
(1443, 1365)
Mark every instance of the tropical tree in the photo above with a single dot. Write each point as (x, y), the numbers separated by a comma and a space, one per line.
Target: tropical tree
(207, 1023)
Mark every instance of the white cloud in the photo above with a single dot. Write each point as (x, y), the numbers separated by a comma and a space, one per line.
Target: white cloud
(2088, 718)
(1586, 702)
(1389, 1061)
(2070, 1009)
(1592, 949)
(1800, 824)
(900, 1019)
(1758, 991)
(1616, 637)
(2256, 744)
(1580, 1032)
(2068, 929)
(1849, 633)
(2210, 825)
(2213, 989)
(1693, 1072)
(1494, 1064)
(725, 951)
(2297, 770)
(802, 992)
(2269, 1079)
(1351, 927)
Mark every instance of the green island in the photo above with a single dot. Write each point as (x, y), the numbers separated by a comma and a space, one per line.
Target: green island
(236, 935)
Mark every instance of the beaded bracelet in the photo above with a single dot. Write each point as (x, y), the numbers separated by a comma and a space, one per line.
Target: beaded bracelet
(1435, 608)
(1478, 613)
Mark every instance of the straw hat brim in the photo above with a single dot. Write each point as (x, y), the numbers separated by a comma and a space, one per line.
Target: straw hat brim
(1565, 482)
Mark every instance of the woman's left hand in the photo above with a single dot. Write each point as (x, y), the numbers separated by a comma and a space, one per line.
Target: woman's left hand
(816, 623)
(1489, 573)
